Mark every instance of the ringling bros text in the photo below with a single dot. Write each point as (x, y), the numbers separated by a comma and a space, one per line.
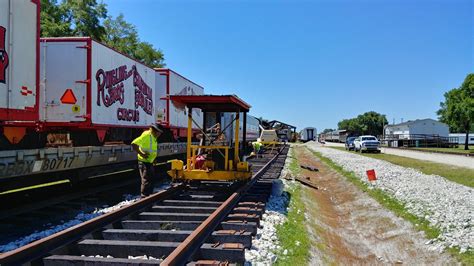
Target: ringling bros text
(111, 89)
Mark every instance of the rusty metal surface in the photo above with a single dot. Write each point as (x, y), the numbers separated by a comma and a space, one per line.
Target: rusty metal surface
(184, 252)
(41, 247)
(306, 182)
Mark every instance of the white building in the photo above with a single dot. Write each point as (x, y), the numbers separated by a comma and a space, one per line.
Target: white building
(462, 137)
(419, 128)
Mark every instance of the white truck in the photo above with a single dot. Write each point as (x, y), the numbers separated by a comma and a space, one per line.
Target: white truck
(367, 143)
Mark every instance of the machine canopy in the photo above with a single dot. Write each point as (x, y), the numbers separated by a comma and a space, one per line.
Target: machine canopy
(213, 103)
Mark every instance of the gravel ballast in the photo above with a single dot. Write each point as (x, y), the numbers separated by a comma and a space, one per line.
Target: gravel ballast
(80, 218)
(446, 205)
(265, 244)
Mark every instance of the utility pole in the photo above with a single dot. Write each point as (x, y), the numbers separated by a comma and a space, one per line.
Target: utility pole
(383, 127)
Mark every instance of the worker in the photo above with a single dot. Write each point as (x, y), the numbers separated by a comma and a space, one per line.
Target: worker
(146, 147)
(257, 145)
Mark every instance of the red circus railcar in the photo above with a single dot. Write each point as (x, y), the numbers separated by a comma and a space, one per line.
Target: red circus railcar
(92, 92)
(19, 68)
(171, 114)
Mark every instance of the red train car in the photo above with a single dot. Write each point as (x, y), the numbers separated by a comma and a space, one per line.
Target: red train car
(19, 68)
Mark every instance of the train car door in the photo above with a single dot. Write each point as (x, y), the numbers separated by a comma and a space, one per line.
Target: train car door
(310, 134)
(63, 81)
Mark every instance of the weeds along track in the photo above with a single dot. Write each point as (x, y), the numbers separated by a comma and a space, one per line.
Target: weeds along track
(212, 222)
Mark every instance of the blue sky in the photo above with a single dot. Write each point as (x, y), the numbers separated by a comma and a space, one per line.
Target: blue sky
(313, 63)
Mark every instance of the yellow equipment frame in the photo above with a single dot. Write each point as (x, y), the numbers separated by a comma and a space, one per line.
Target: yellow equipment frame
(234, 170)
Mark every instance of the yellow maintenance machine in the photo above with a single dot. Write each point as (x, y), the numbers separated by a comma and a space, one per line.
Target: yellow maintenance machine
(275, 133)
(202, 163)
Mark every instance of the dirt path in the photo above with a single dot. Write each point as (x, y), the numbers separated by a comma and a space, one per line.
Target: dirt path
(349, 227)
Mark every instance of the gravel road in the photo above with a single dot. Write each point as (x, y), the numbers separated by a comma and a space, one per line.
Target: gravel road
(456, 160)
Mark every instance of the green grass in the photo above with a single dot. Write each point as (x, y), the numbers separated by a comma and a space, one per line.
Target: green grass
(459, 149)
(294, 165)
(292, 234)
(460, 175)
(398, 208)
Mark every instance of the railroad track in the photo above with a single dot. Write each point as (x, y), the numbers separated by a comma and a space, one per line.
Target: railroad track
(205, 224)
(33, 213)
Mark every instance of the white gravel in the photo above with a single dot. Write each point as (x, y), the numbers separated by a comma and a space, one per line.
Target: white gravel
(80, 218)
(446, 205)
(265, 244)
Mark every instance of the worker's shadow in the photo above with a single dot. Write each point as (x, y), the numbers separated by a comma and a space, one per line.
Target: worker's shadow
(279, 203)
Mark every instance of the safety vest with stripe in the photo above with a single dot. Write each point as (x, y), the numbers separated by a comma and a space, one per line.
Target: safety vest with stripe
(147, 143)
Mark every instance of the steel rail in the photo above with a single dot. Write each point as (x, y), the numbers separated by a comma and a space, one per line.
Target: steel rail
(184, 252)
(39, 248)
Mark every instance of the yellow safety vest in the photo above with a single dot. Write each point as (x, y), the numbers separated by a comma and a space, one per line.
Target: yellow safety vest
(147, 143)
(257, 145)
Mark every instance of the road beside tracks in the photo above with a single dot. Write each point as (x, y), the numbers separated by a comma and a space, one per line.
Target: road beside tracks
(452, 159)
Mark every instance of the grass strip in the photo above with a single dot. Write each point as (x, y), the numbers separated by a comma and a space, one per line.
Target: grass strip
(460, 149)
(397, 207)
(292, 234)
(460, 175)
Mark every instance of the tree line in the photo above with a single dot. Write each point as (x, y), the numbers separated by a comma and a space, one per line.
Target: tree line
(90, 18)
(368, 123)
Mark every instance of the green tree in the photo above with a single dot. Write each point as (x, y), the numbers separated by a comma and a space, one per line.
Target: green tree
(53, 20)
(121, 35)
(372, 123)
(148, 55)
(327, 130)
(85, 17)
(457, 110)
(369, 123)
(344, 124)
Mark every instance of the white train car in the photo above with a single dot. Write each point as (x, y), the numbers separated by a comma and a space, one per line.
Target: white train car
(308, 134)
(94, 91)
(252, 127)
(168, 113)
(19, 49)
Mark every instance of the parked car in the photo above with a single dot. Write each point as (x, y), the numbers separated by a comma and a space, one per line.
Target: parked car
(350, 143)
(367, 143)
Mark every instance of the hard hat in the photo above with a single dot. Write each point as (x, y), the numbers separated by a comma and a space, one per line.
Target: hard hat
(156, 127)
